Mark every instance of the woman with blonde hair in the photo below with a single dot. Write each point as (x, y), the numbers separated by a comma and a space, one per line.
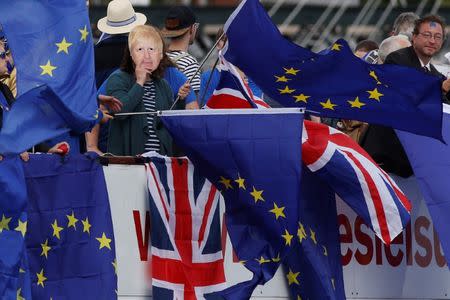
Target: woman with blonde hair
(140, 87)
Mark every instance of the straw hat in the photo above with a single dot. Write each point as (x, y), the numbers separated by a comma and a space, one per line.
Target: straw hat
(120, 18)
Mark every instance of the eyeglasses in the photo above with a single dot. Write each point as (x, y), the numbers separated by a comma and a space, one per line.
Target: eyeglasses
(437, 37)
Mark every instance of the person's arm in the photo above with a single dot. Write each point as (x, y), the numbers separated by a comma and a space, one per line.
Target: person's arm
(129, 93)
(92, 140)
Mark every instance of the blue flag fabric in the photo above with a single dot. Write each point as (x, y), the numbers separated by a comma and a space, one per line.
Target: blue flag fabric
(430, 161)
(313, 268)
(334, 83)
(12, 213)
(253, 157)
(51, 44)
(70, 242)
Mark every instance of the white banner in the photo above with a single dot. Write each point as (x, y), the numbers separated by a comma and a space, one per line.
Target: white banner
(413, 268)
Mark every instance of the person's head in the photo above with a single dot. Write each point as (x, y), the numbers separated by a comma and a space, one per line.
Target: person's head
(391, 44)
(223, 39)
(4, 58)
(404, 24)
(365, 46)
(428, 36)
(120, 18)
(146, 49)
(180, 23)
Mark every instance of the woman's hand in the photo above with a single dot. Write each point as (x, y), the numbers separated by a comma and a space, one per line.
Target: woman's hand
(142, 75)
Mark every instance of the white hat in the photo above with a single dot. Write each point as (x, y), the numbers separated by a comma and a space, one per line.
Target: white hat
(120, 18)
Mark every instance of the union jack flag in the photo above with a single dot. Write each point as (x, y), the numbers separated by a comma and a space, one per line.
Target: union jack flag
(356, 178)
(187, 260)
(232, 91)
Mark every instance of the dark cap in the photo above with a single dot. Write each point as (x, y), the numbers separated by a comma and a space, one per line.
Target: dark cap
(178, 21)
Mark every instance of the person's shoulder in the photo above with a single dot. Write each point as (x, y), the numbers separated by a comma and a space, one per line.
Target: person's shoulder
(399, 56)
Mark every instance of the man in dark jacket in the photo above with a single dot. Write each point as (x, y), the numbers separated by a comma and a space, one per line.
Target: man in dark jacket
(382, 142)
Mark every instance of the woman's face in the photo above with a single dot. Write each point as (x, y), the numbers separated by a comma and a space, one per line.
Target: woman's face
(146, 54)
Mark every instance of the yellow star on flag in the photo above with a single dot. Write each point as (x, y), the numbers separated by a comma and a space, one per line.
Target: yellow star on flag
(72, 221)
(325, 251)
(291, 71)
(286, 90)
(301, 98)
(45, 249)
(278, 211)
(313, 235)
(226, 182)
(114, 263)
(282, 78)
(287, 237)
(4, 223)
(356, 103)
(47, 69)
(86, 225)
(301, 233)
(298, 297)
(374, 94)
(374, 76)
(240, 181)
(292, 277)
(104, 242)
(262, 260)
(56, 229)
(41, 278)
(328, 104)
(277, 259)
(21, 270)
(18, 296)
(22, 227)
(63, 46)
(257, 195)
(336, 47)
(84, 34)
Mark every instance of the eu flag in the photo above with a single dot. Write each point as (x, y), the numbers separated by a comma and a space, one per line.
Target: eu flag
(51, 45)
(253, 157)
(430, 161)
(334, 83)
(69, 240)
(13, 217)
(313, 268)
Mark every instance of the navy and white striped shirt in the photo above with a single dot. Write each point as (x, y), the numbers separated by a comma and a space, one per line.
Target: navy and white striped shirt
(149, 99)
(188, 65)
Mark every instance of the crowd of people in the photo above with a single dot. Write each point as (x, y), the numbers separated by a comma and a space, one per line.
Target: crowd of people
(140, 68)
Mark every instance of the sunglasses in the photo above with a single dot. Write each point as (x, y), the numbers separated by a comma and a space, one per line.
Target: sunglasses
(5, 53)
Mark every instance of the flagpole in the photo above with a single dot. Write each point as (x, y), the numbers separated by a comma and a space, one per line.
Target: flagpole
(209, 81)
(201, 65)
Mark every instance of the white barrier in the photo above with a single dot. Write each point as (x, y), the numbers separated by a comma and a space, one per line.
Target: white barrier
(412, 269)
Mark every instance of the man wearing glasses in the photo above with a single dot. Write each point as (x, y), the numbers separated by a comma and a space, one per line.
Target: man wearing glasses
(427, 40)
(181, 28)
(382, 142)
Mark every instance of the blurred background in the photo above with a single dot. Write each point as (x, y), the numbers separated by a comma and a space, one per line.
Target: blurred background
(314, 24)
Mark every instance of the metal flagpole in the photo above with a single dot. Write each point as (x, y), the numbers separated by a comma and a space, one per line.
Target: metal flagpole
(202, 97)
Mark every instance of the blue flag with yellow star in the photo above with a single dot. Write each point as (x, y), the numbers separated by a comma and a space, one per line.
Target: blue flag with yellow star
(253, 157)
(69, 241)
(313, 268)
(13, 221)
(333, 83)
(51, 44)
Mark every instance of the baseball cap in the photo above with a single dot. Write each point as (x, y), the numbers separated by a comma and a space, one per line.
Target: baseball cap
(178, 21)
